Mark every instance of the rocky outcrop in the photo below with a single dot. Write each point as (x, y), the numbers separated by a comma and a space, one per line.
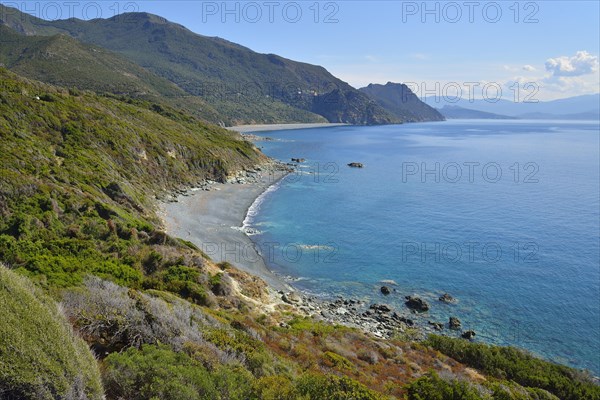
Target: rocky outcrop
(291, 298)
(438, 326)
(380, 307)
(468, 335)
(454, 323)
(416, 303)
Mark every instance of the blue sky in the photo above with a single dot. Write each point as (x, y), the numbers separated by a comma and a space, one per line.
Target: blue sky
(438, 46)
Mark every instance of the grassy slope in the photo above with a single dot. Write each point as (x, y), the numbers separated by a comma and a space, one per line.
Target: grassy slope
(63, 61)
(40, 357)
(79, 174)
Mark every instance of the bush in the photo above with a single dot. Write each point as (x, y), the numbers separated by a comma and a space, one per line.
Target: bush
(157, 372)
(432, 387)
(331, 387)
(513, 364)
(40, 357)
(114, 317)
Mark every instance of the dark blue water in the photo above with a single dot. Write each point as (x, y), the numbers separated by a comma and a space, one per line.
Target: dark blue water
(503, 215)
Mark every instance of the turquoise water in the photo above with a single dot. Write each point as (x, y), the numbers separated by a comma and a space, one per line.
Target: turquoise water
(505, 219)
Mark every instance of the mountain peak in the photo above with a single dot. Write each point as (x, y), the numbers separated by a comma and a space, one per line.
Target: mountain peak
(400, 101)
(140, 16)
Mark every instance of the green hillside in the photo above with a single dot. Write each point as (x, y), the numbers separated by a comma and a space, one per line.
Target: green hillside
(80, 168)
(245, 86)
(62, 60)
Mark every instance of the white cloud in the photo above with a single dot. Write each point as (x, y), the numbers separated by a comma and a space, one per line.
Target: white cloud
(582, 63)
(516, 68)
(419, 56)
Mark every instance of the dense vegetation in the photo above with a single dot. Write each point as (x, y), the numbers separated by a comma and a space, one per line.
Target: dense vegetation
(515, 365)
(245, 86)
(40, 357)
(78, 177)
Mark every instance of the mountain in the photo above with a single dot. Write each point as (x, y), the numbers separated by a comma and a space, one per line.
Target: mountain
(589, 115)
(401, 102)
(63, 61)
(555, 108)
(455, 112)
(245, 86)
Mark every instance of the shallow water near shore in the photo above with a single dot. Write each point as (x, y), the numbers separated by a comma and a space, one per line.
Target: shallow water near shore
(503, 215)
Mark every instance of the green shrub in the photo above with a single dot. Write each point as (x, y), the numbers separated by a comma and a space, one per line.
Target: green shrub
(274, 388)
(157, 372)
(40, 357)
(432, 387)
(331, 387)
(512, 364)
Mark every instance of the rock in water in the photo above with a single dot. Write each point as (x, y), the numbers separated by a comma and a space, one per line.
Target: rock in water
(416, 303)
(385, 290)
(454, 323)
(446, 298)
(468, 334)
(438, 326)
(356, 165)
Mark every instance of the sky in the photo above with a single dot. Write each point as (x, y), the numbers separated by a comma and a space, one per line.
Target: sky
(539, 50)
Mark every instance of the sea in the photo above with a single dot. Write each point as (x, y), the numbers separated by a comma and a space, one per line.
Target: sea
(503, 215)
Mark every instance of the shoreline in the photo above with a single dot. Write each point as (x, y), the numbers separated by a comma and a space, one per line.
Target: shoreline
(213, 217)
(281, 127)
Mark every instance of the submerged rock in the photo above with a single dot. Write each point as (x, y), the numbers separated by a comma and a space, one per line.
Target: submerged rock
(446, 298)
(356, 165)
(416, 303)
(385, 290)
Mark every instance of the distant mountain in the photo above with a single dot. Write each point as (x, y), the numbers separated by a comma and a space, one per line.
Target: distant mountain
(455, 112)
(590, 115)
(243, 85)
(401, 102)
(583, 105)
